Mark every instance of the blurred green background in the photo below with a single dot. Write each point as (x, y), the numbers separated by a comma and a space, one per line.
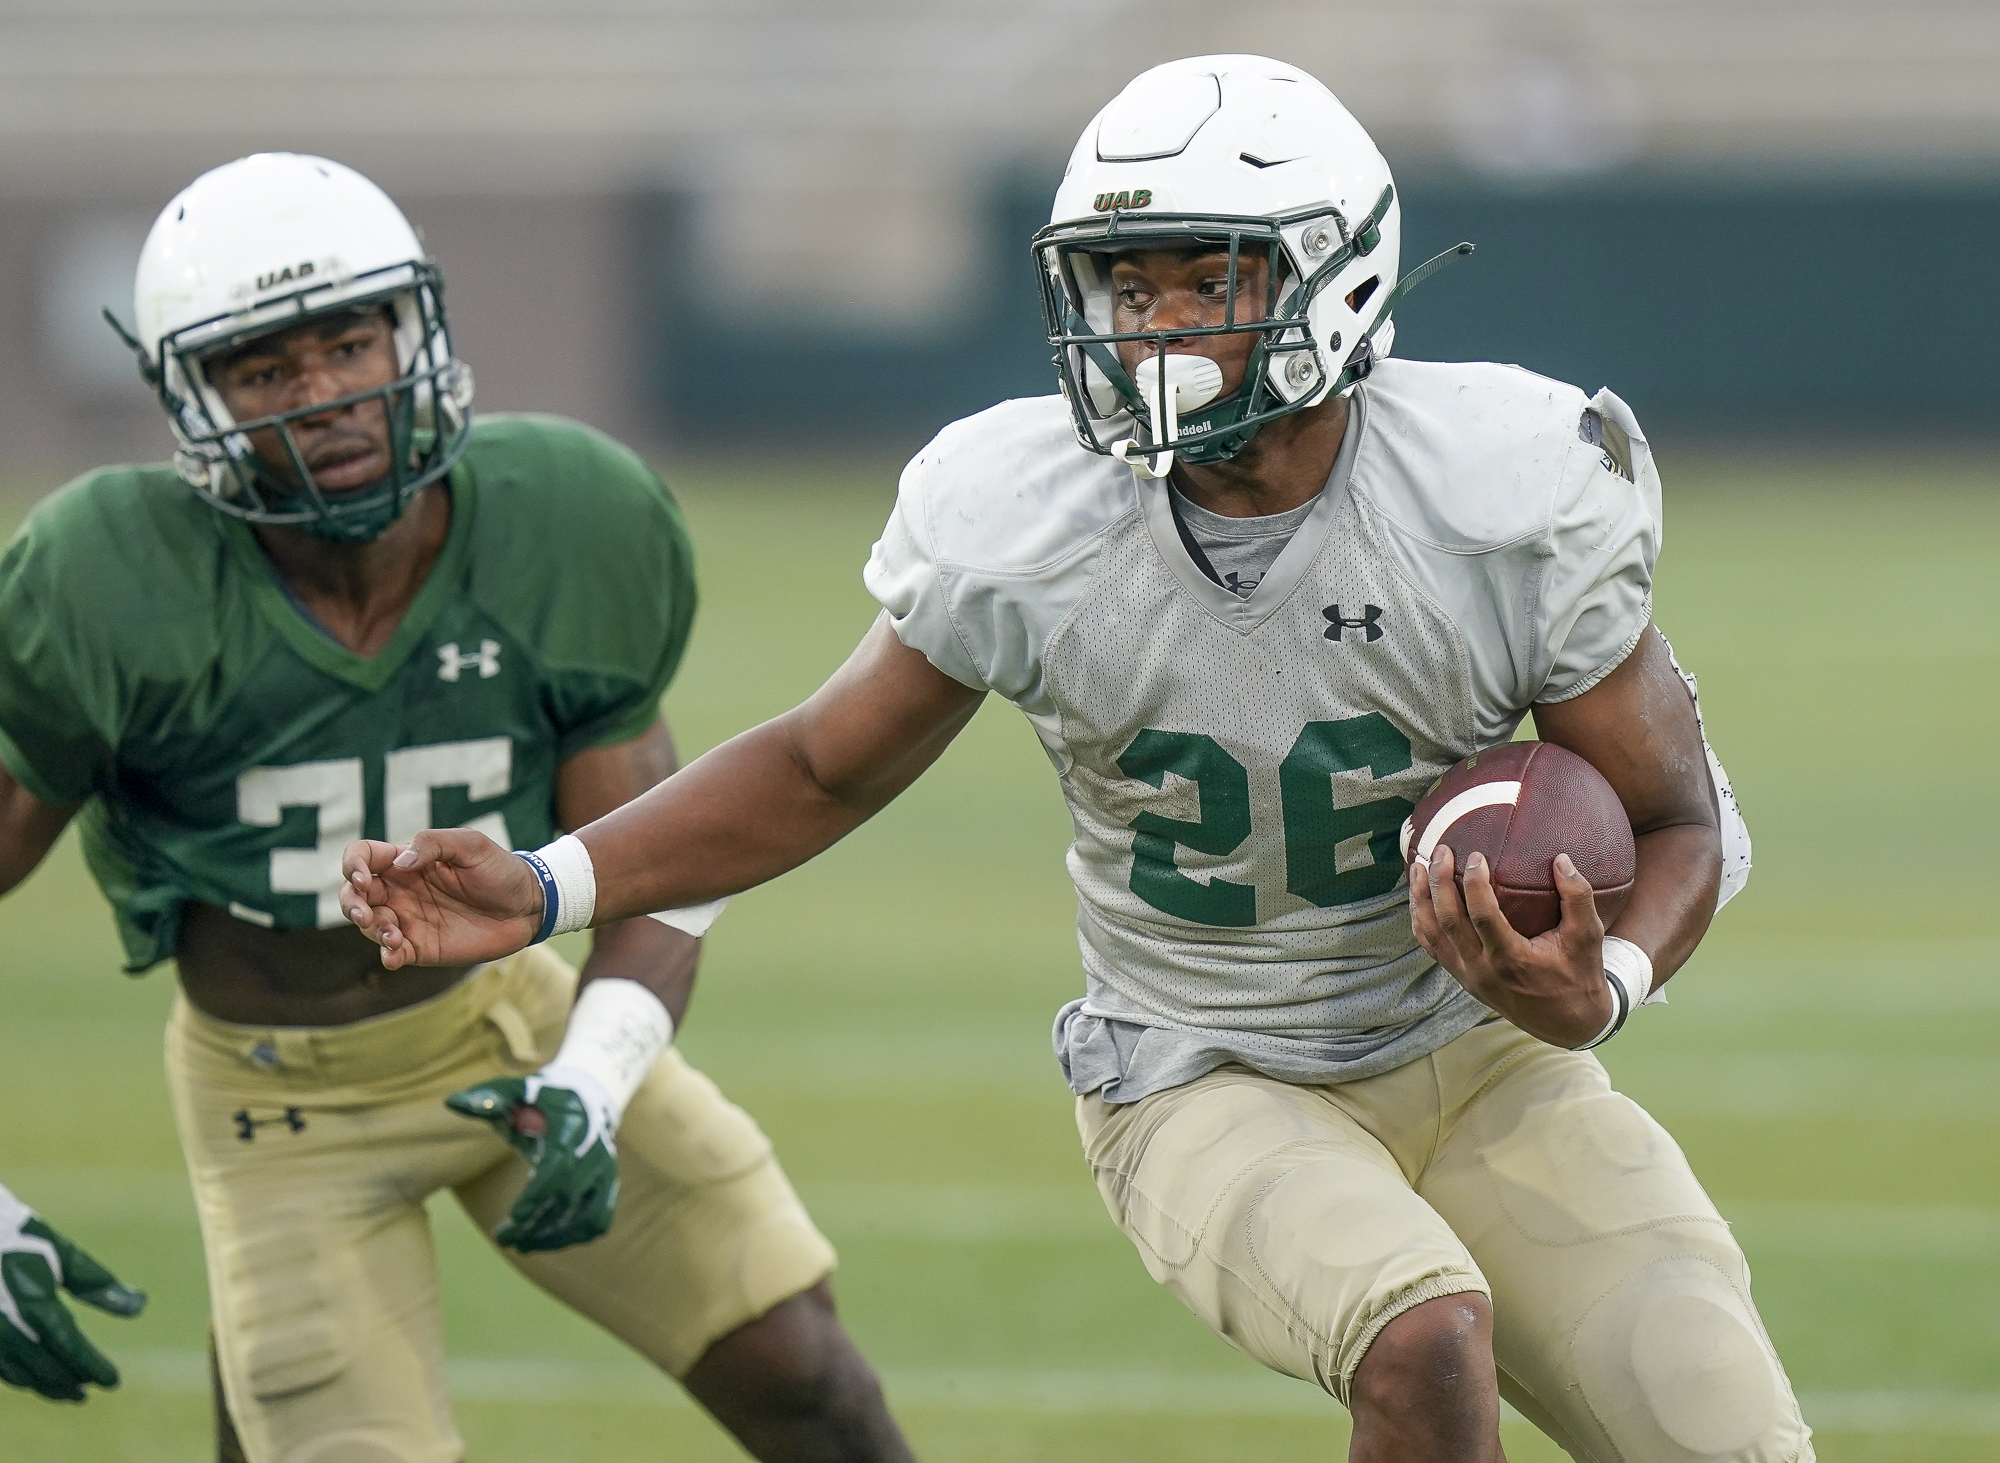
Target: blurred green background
(1829, 1060)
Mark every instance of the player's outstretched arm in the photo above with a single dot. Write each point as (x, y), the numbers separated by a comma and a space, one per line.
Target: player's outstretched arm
(1637, 726)
(29, 828)
(758, 805)
(450, 896)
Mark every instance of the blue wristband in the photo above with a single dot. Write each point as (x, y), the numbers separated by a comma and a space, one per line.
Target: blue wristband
(551, 898)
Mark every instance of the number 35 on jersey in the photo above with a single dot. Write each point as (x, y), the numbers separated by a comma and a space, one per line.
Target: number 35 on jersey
(334, 792)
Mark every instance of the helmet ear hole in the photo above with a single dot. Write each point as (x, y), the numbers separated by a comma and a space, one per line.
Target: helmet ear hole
(1363, 293)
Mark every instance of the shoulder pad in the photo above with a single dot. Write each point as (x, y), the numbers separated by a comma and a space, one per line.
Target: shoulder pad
(133, 534)
(1466, 456)
(556, 456)
(1011, 490)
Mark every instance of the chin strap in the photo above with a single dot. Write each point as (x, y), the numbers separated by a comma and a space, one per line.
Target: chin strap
(148, 372)
(1416, 277)
(1128, 451)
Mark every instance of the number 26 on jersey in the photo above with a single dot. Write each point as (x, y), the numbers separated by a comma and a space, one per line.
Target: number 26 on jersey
(1314, 826)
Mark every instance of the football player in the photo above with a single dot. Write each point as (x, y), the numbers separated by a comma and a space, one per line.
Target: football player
(349, 608)
(1256, 585)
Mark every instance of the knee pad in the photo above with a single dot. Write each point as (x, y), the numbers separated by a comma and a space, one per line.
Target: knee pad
(351, 1449)
(1676, 1368)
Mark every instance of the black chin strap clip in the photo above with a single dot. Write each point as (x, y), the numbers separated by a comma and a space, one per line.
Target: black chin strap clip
(1361, 360)
(1416, 277)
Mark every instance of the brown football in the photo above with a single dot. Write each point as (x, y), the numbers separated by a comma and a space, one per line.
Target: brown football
(1522, 804)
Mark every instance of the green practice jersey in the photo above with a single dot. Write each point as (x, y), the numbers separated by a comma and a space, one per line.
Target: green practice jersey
(154, 668)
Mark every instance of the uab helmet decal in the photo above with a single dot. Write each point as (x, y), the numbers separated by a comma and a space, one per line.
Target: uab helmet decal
(1246, 158)
(1123, 198)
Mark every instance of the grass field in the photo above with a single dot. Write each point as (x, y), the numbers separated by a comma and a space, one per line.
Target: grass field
(1830, 1060)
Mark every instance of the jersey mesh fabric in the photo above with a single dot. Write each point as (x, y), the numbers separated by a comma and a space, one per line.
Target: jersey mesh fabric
(225, 748)
(1237, 768)
(1329, 985)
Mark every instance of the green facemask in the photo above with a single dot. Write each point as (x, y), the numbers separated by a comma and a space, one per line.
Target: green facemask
(1073, 260)
(428, 408)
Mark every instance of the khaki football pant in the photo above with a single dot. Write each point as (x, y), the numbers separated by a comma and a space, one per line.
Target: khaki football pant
(312, 1152)
(1297, 1222)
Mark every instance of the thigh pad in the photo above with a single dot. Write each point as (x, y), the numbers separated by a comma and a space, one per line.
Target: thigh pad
(1273, 1216)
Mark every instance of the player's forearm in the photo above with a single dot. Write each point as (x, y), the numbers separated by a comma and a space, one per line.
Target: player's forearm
(743, 814)
(768, 800)
(29, 828)
(657, 956)
(1673, 894)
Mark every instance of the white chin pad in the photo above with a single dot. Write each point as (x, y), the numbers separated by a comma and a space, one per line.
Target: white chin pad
(1194, 380)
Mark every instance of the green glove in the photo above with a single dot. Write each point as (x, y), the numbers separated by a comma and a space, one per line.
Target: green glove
(40, 1345)
(572, 1149)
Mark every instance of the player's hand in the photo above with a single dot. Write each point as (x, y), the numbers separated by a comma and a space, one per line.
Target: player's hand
(565, 1134)
(1552, 986)
(449, 896)
(40, 1345)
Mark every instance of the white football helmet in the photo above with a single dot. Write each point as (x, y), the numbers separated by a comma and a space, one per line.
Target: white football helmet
(257, 246)
(1239, 154)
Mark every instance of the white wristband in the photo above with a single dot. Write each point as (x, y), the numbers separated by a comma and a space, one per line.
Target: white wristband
(1628, 971)
(617, 1031)
(1632, 968)
(569, 885)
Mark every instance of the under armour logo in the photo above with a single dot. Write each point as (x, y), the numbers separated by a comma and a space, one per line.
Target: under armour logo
(247, 1126)
(1369, 615)
(451, 663)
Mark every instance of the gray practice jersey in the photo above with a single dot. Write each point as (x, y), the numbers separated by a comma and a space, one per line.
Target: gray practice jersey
(1238, 768)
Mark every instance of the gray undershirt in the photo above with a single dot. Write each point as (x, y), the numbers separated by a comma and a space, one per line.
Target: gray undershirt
(1240, 550)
